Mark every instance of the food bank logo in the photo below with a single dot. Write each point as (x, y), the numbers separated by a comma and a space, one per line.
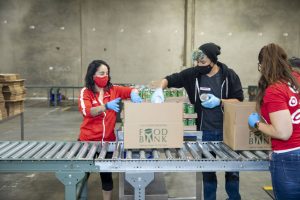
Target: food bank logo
(153, 135)
(258, 138)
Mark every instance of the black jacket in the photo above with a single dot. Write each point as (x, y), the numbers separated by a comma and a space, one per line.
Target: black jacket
(231, 85)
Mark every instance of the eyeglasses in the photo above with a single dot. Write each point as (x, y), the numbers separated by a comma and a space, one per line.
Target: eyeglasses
(259, 67)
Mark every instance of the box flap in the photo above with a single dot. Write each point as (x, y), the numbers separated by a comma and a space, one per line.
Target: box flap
(151, 112)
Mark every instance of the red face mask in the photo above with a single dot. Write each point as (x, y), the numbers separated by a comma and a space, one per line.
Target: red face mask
(101, 81)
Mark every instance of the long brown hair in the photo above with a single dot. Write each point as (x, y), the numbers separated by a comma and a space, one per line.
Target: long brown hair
(274, 68)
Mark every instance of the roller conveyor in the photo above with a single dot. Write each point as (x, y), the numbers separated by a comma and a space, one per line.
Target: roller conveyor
(194, 156)
(70, 161)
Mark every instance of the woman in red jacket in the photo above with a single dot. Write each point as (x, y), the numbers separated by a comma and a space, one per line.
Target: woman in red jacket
(99, 104)
(278, 101)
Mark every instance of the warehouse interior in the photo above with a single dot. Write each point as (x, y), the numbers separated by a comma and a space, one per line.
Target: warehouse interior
(50, 44)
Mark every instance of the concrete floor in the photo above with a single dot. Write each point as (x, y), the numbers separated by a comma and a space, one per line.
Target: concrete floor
(49, 123)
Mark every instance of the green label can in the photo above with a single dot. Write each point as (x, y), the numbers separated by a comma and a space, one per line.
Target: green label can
(180, 92)
(141, 94)
(171, 92)
(167, 92)
(147, 94)
(185, 107)
(191, 122)
(190, 109)
(185, 122)
(204, 97)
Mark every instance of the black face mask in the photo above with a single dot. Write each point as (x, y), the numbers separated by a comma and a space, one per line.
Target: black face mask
(202, 70)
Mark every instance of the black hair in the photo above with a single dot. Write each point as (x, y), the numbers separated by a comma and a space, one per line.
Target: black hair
(91, 70)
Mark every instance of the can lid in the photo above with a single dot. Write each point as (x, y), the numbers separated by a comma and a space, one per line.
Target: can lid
(204, 97)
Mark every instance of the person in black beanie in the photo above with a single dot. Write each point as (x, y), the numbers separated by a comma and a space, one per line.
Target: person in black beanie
(295, 63)
(208, 84)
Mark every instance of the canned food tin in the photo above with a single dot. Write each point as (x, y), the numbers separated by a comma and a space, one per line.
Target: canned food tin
(185, 122)
(180, 92)
(190, 109)
(166, 93)
(173, 93)
(141, 94)
(147, 94)
(204, 97)
(191, 122)
(185, 107)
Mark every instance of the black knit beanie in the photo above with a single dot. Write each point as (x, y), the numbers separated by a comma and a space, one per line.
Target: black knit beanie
(211, 50)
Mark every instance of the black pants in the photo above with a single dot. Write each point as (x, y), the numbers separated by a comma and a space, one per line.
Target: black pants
(106, 177)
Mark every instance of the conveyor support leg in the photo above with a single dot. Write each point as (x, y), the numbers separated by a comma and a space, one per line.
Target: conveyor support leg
(139, 181)
(199, 185)
(82, 189)
(70, 180)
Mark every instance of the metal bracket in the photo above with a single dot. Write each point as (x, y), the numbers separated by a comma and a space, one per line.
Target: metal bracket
(70, 180)
(139, 181)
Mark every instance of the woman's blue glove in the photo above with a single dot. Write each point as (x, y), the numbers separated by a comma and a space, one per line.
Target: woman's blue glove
(212, 101)
(113, 105)
(253, 119)
(135, 98)
(158, 96)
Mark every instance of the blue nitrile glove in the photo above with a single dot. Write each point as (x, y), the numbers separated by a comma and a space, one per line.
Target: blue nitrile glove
(135, 98)
(253, 119)
(212, 101)
(113, 105)
(158, 96)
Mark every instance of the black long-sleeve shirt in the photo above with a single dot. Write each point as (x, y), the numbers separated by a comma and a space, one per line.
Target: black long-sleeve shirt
(231, 87)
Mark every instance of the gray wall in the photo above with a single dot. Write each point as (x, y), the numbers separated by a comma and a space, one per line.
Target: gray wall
(142, 40)
(243, 27)
(51, 42)
(34, 44)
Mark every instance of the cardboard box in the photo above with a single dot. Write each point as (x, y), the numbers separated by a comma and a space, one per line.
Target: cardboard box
(148, 125)
(11, 96)
(13, 92)
(9, 77)
(1, 97)
(3, 111)
(14, 107)
(237, 134)
(14, 83)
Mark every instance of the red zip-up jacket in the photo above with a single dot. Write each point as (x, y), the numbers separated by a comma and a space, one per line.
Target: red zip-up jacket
(100, 127)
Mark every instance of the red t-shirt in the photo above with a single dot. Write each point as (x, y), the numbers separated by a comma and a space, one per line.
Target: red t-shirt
(280, 96)
(100, 127)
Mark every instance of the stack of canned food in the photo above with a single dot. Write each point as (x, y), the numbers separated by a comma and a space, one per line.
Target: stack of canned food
(146, 93)
(189, 109)
(173, 92)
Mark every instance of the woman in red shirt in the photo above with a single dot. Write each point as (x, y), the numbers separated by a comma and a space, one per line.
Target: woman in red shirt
(99, 104)
(278, 101)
